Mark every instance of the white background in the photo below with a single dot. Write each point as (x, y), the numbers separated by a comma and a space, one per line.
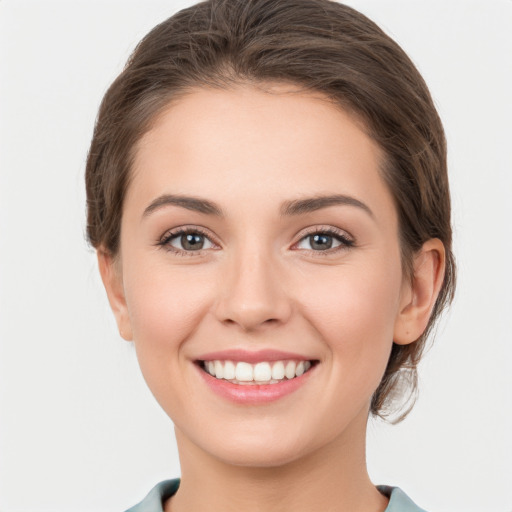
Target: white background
(78, 429)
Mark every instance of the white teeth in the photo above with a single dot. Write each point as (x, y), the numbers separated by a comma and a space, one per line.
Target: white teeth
(243, 372)
(278, 370)
(262, 372)
(219, 370)
(289, 371)
(268, 372)
(229, 370)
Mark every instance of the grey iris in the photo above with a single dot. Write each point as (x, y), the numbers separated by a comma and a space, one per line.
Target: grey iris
(320, 242)
(192, 242)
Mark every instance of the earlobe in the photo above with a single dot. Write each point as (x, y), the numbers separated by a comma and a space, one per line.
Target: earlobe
(113, 283)
(422, 292)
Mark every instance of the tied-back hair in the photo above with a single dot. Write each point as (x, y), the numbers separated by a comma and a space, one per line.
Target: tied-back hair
(323, 47)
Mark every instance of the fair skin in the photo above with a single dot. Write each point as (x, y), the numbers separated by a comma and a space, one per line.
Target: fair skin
(257, 283)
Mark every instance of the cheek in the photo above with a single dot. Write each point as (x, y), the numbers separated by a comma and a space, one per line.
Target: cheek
(354, 312)
(165, 306)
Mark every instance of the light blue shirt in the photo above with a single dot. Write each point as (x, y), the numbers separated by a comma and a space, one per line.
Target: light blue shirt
(153, 502)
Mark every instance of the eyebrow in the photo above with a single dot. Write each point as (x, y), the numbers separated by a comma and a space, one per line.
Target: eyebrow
(302, 206)
(190, 203)
(289, 208)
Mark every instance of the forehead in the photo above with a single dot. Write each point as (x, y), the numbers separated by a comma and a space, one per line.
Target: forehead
(254, 142)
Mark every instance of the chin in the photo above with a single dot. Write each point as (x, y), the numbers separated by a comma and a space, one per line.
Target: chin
(259, 448)
(259, 456)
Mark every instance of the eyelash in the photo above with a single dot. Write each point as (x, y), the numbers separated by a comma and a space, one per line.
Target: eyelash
(345, 241)
(165, 241)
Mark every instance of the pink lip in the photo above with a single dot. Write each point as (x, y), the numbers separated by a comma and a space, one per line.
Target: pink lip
(252, 394)
(251, 357)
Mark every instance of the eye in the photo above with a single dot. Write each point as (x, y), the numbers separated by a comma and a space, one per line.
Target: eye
(186, 241)
(325, 240)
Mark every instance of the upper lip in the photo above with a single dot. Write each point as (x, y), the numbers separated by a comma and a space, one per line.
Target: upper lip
(252, 356)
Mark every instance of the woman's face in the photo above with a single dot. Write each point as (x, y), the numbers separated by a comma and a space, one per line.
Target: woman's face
(258, 240)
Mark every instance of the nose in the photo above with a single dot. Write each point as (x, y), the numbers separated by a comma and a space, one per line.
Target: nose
(253, 293)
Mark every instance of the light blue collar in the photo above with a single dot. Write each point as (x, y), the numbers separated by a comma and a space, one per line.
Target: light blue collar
(153, 502)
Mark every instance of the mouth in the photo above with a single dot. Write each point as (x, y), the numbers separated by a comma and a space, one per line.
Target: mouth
(260, 373)
(255, 377)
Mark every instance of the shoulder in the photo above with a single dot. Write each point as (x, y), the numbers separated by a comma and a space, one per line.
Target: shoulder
(398, 500)
(153, 502)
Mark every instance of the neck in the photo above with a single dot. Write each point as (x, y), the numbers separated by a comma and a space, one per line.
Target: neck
(331, 478)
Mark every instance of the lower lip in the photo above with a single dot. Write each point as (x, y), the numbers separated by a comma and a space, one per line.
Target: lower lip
(254, 393)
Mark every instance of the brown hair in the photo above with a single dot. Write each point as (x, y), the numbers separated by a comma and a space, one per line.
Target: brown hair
(321, 46)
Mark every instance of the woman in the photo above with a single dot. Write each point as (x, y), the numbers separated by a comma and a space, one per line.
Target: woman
(268, 197)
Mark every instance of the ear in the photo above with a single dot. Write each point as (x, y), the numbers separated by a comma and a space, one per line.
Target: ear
(112, 278)
(419, 295)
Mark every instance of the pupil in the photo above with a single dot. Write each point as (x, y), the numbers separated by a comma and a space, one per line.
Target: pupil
(192, 242)
(321, 242)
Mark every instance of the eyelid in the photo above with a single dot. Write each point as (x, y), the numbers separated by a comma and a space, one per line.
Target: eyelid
(346, 239)
(172, 233)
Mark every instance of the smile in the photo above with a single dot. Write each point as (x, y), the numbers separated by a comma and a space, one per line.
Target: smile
(264, 372)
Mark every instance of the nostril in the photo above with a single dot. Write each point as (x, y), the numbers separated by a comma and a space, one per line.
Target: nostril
(248, 324)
